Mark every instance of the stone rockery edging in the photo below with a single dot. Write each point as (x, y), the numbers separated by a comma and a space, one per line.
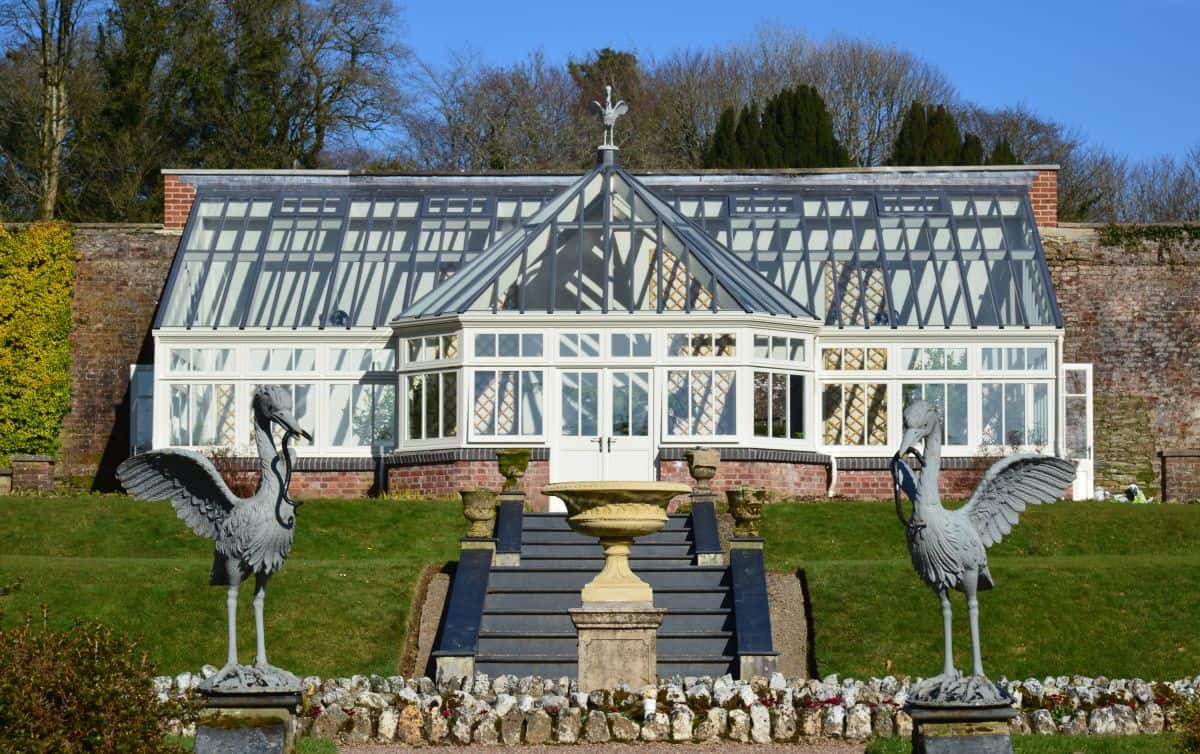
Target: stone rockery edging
(533, 710)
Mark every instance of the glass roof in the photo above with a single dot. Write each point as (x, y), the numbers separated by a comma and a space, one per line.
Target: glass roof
(266, 253)
(607, 244)
(941, 257)
(264, 257)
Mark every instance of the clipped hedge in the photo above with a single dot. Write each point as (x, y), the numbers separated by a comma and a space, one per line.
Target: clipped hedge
(37, 274)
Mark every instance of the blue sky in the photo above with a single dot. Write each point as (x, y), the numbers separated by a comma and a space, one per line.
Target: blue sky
(1126, 74)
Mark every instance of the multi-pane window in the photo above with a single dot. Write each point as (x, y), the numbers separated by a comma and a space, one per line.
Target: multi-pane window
(283, 359)
(631, 404)
(701, 402)
(362, 359)
(433, 348)
(778, 348)
(200, 360)
(856, 359)
(1015, 414)
(508, 402)
(701, 345)
(630, 345)
(202, 414)
(579, 345)
(779, 405)
(951, 398)
(854, 414)
(1016, 359)
(934, 359)
(362, 415)
(303, 411)
(580, 403)
(432, 405)
(508, 345)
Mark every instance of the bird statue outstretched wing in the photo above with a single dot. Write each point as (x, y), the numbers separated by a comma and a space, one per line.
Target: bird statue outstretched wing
(189, 480)
(1011, 484)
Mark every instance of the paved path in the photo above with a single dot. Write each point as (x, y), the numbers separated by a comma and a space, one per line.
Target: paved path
(826, 747)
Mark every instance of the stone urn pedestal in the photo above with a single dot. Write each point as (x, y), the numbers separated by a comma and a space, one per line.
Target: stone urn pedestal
(618, 623)
(960, 715)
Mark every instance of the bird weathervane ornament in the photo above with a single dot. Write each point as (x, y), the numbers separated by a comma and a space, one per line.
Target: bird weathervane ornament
(608, 116)
(949, 547)
(253, 535)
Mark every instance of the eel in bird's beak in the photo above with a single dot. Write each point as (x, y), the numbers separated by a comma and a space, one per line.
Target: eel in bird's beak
(289, 423)
(908, 444)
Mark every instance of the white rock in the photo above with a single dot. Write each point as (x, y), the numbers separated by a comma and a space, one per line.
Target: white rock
(858, 723)
(833, 721)
(760, 724)
(388, 719)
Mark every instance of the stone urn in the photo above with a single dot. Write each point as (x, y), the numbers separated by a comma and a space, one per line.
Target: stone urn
(745, 505)
(479, 507)
(616, 513)
(702, 465)
(512, 463)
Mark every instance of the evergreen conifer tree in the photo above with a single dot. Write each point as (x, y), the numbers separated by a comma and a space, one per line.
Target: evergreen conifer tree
(1002, 154)
(723, 150)
(944, 144)
(910, 140)
(971, 152)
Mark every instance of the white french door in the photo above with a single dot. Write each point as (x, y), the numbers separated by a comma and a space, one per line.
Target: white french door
(1077, 438)
(605, 426)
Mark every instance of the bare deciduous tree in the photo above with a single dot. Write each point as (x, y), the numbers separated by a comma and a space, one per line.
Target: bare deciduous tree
(868, 87)
(47, 30)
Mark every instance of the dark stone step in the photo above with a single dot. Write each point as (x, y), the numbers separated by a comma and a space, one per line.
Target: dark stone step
(669, 645)
(667, 598)
(575, 578)
(555, 562)
(593, 550)
(550, 622)
(558, 522)
(558, 537)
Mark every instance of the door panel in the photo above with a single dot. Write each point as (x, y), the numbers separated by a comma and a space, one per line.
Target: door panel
(1077, 428)
(628, 450)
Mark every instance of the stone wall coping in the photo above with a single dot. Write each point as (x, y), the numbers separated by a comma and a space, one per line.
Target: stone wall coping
(31, 458)
(770, 455)
(1179, 454)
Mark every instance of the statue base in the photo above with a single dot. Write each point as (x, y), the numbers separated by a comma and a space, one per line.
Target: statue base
(618, 643)
(249, 722)
(961, 730)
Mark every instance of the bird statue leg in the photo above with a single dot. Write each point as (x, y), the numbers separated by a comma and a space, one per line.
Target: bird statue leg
(260, 594)
(947, 616)
(970, 583)
(231, 599)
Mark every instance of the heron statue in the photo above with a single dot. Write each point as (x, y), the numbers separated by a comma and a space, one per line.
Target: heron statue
(949, 547)
(609, 114)
(253, 535)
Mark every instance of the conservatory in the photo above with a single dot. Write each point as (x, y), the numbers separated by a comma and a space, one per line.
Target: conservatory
(611, 321)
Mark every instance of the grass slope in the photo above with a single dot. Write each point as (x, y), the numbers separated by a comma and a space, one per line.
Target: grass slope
(339, 606)
(1164, 744)
(1093, 588)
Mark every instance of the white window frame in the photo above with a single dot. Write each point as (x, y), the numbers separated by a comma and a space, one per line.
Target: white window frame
(469, 383)
(403, 421)
(739, 378)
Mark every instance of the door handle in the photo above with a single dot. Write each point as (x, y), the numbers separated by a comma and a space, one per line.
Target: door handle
(610, 444)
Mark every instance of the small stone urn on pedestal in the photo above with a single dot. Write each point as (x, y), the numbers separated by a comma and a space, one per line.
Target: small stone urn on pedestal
(745, 505)
(479, 508)
(512, 463)
(618, 623)
(702, 465)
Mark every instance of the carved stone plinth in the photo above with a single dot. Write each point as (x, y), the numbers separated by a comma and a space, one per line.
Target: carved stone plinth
(961, 730)
(618, 643)
(251, 723)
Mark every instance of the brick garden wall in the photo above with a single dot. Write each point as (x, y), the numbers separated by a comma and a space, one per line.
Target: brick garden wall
(119, 275)
(1182, 471)
(782, 480)
(1132, 309)
(446, 479)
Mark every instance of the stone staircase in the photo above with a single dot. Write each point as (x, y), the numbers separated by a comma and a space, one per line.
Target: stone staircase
(524, 628)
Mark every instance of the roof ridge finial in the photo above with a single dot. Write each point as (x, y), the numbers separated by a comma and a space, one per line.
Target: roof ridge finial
(608, 115)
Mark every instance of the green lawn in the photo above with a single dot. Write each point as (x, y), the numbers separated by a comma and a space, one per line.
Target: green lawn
(339, 606)
(1164, 744)
(1092, 588)
(1082, 587)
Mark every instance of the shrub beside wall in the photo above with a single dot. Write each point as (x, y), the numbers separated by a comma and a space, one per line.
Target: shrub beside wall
(37, 273)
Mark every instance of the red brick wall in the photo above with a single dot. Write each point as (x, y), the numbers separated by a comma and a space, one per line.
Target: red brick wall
(1043, 194)
(32, 472)
(119, 276)
(876, 484)
(782, 480)
(447, 479)
(1182, 476)
(177, 201)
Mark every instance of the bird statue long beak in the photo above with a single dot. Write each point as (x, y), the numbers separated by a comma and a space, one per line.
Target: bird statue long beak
(289, 423)
(908, 444)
